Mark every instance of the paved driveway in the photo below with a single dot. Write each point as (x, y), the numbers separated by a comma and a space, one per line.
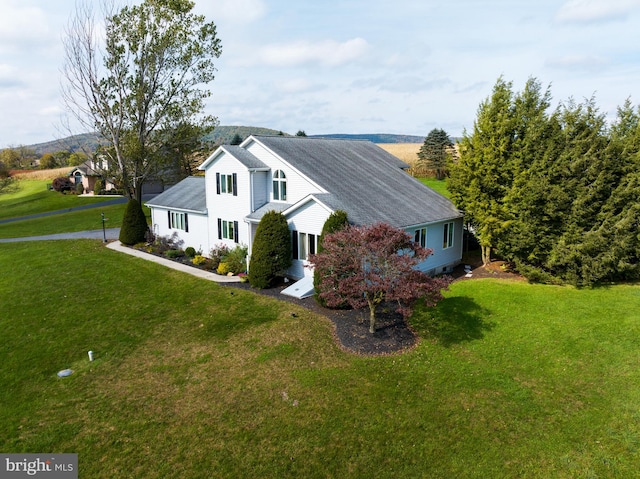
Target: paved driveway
(111, 233)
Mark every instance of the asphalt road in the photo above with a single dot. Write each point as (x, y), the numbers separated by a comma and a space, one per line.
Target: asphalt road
(111, 234)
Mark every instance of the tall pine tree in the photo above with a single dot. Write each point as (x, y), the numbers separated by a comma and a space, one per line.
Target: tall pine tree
(435, 152)
(482, 177)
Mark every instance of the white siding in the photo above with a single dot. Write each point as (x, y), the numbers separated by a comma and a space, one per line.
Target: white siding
(297, 185)
(261, 179)
(226, 206)
(196, 237)
(308, 219)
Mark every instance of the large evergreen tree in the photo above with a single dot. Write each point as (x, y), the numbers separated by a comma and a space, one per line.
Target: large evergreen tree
(555, 194)
(482, 176)
(436, 151)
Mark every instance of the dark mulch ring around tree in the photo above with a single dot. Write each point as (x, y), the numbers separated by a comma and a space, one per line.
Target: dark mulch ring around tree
(351, 327)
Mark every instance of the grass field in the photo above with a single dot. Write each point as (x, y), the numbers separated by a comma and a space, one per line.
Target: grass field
(32, 197)
(438, 185)
(190, 381)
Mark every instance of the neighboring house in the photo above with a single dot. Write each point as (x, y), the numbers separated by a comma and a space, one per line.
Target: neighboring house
(89, 172)
(306, 179)
(94, 169)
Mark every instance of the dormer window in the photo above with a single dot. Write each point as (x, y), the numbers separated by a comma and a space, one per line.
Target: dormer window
(279, 186)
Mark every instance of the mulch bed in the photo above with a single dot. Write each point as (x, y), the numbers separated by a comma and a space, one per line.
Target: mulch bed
(351, 328)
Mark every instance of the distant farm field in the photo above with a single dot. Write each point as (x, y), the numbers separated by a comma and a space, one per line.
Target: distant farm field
(51, 174)
(407, 152)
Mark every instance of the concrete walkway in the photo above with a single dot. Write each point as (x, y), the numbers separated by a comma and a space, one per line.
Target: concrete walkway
(200, 273)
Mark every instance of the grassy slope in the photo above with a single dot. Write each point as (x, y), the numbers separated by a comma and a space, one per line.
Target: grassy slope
(438, 185)
(512, 380)
(32, 197)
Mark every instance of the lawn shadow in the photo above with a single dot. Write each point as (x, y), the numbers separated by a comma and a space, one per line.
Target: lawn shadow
(454, 320)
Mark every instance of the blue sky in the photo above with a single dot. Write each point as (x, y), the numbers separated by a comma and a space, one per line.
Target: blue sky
(354, 66)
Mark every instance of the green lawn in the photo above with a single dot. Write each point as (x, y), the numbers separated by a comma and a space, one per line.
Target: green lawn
(509, 380)
(438, 185)
(32, 197)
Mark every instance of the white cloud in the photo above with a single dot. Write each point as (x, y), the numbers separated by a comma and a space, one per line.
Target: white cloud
(577, 62)
(402, 83)
(10, 77)
(232, 11)
(295, 85)
(328, 53)
(19, 24)
(594, 11)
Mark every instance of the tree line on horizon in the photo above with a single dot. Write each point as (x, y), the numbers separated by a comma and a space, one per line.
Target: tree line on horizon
(554, 192)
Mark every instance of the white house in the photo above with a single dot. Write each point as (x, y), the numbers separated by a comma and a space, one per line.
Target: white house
(306, 179)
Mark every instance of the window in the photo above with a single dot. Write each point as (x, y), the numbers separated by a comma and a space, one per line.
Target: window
(178, 221)
(227, 184)
(421, 237)
(228, 230)
(447, 240)
(279, 186)
(303, 244)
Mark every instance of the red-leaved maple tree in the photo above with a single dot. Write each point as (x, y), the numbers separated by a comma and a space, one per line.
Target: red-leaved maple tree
(368, 265)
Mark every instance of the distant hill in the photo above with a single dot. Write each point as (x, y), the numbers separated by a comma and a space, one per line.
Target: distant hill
(85, 142)
(88, 142)
(375, 137)
(224, 134)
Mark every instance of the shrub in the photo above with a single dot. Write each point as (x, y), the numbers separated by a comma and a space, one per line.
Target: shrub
(62, 184)
(174, 253)
(98, 187)
(335, 222)
(190, 251)
(223, 268)
(199, 260)
(79, 188)
(134, 224)
(217, 254)
(164, 243)
(271, 253)
(236, 259)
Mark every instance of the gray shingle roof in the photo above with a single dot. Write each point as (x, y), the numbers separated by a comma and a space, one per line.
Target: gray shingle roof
(364, 180)
(187, 195)
(244, 157)
(277, 206)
